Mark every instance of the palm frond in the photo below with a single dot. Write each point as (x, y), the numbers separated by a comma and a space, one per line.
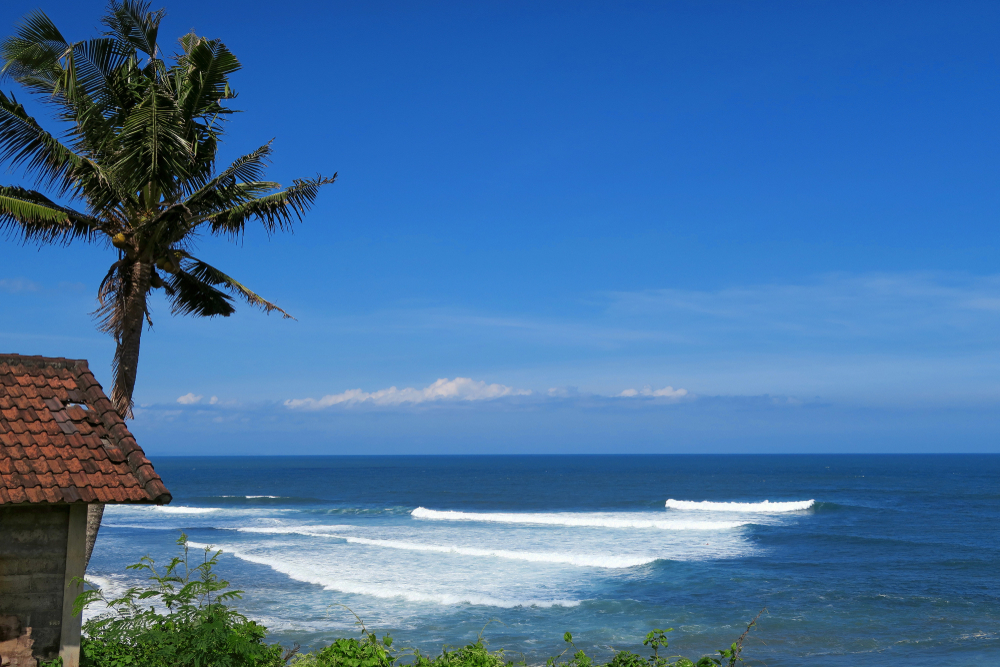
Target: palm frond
(222, 192)
(24, 142)
(191, 296)
(213, 276)
(111, 296)
(275, 211)
(31, 55)
(207, 65)
(97, 63)
(37, 218)
(134, 24)
(153, 147)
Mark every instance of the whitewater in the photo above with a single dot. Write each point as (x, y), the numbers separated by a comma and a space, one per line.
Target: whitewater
(431, 549)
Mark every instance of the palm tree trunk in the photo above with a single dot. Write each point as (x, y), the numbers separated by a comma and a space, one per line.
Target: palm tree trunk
(127, 353)
(95, 512)
(126, 369)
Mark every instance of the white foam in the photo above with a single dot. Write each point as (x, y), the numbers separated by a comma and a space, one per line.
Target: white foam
(583, 560)
(263, 496)
(112, 587)
(577, 519)
(314, 531)
(187, 510)
(765, 506)
(135, 526)
(305, 573)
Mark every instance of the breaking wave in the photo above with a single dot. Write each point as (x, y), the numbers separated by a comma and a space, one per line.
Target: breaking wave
(315, 531)
(582, 560)
(330, 582)
(581, 519)
(764, 507)
(187, 510)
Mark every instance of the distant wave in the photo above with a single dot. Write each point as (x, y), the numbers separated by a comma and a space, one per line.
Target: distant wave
(764, 507)
(135, 526)
(581, 519)
(186, 510)
(323, 531)
(261, 500)
(360, 511)
(331, 583)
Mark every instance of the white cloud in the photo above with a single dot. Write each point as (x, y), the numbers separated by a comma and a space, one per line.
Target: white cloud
(666, 392)
(459, 389)
(15, 285)
(188, 399)
(213, 400)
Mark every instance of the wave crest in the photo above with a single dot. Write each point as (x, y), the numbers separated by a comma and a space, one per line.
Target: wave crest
(186, 510)
(575, 519)
(764, 507)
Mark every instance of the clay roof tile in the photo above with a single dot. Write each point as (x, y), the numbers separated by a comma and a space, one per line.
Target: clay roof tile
(52, 450)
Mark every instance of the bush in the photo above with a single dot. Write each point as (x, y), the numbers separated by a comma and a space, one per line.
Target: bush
(199, 628)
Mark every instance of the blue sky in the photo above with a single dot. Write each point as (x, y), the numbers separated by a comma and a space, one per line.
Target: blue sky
(784, 212)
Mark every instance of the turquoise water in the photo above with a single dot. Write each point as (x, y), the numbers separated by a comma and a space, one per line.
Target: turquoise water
(897, 558)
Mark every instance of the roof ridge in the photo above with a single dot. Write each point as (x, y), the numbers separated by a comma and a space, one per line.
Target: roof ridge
(39, 360)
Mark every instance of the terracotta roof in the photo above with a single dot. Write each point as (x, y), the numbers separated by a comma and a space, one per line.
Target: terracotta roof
(61, 441)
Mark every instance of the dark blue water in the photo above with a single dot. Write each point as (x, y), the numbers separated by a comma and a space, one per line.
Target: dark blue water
(897, 561)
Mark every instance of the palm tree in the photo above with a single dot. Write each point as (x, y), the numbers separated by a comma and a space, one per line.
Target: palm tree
(134, 169)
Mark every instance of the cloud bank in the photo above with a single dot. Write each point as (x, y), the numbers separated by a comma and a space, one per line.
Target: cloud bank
(666, 392)
(459, 389)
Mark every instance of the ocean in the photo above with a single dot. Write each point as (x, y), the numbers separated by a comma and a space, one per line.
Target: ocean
(858, 560)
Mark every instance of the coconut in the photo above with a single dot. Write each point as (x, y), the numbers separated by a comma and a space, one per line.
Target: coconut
(168, 263)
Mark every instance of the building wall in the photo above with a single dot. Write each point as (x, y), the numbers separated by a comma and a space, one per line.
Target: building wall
(32, 570)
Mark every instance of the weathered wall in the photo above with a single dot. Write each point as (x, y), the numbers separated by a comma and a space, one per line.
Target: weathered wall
(32, 570)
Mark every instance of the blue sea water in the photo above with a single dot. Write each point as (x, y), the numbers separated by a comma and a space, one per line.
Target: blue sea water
(896, 560)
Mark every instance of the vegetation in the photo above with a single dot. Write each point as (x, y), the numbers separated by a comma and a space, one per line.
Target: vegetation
(184, 619)
(135, 171)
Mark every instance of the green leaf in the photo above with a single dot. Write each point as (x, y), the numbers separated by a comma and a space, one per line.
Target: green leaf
(35, 217)
(213, 276)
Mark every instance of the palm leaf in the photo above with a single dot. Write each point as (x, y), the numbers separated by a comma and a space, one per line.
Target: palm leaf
(224, 190)
(24, 142)
(31, 56)
(213, 276)
(208, 65)
(154, 148)
(97, 64)
(275, 211)
(134, 24)
(37, 218)
(191, 296)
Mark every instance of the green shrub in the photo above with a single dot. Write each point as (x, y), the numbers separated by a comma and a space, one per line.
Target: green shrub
(199, 628)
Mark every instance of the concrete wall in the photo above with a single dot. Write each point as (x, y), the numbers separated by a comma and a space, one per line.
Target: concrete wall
(33, 571)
